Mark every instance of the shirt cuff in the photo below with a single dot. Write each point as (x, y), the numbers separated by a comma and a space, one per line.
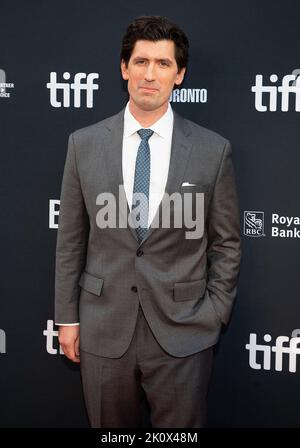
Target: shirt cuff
(67, 325)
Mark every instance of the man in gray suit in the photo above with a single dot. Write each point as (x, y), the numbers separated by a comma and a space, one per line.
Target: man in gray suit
(141, 305)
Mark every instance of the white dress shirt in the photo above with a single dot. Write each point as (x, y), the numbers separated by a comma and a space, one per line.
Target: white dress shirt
(160, 152)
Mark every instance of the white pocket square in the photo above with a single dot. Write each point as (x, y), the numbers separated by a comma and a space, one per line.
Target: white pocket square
(187, 184)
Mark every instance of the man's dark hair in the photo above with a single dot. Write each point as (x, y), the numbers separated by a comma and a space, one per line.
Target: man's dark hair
(155, 28)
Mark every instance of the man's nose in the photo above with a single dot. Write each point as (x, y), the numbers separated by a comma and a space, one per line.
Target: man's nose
(149, 74)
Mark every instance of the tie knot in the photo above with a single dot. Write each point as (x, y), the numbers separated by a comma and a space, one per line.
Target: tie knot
(145, 134)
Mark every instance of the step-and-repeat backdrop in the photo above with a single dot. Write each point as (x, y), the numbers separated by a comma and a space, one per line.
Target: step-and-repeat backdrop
(59, 71)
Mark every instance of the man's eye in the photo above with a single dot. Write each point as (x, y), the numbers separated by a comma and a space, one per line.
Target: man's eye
(140, 62)
(165, 64)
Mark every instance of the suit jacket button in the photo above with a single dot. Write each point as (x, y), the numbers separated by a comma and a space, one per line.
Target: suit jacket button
(139, 252)
(134, 288)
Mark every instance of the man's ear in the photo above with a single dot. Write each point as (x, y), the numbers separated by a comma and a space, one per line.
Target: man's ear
(124, 70)
(180, 76)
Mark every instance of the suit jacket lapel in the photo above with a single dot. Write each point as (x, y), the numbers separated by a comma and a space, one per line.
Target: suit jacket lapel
(113, 144)
(180, 151)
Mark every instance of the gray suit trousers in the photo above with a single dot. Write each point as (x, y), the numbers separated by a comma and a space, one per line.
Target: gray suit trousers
(175, 388)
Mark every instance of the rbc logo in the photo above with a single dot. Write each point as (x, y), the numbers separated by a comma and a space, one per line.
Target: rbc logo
(82, 81)
(254, 223)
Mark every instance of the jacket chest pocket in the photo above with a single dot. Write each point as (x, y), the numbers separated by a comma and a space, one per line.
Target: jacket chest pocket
(193, 187)
(193, 196)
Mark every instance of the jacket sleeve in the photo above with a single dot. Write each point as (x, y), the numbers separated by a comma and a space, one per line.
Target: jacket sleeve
(71, 246)
(224, 243)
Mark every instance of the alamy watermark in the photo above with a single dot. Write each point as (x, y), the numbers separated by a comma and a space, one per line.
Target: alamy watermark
(176, 210)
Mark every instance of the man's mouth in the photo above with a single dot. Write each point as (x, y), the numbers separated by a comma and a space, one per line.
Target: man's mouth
(148, 89)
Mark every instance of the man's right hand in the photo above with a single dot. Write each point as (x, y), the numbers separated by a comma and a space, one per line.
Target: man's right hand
(68, 336)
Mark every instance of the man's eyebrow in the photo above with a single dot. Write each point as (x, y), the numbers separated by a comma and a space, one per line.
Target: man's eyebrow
(156, 59)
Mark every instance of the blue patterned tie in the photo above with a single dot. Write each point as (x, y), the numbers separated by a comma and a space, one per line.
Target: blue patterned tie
(142, 182)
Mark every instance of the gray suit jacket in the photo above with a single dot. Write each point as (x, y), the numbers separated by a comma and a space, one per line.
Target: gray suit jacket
(186, 287)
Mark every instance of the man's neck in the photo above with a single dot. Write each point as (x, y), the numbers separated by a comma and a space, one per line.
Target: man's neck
(147, 118)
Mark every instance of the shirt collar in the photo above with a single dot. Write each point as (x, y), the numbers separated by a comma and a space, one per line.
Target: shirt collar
(162, 127)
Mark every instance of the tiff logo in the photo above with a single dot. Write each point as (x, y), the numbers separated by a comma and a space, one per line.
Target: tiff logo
(51, 335)
(291, 350)
(2, 341)
(82, 82)
(290, 85)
